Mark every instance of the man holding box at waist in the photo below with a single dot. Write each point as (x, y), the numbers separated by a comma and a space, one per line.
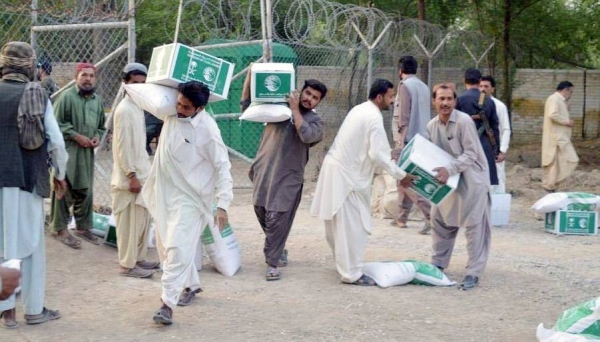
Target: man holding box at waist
(470, 204)
(278, 171)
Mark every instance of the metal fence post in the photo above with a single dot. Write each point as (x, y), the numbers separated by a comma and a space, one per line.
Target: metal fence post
(34, 13)
(131, 32)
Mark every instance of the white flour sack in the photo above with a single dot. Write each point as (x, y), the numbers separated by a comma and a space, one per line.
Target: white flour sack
(580, 201)
(267, 112)
(156, 99)
(222, 249)
(428, 274)
(386, 274)
(551, 335)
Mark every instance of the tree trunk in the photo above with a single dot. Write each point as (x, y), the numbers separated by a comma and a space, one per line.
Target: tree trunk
(506, 56)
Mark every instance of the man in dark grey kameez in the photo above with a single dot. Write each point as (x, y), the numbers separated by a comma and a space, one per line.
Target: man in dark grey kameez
(278, 171)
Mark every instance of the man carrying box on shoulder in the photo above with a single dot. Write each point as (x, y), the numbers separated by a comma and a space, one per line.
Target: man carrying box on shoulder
(278, 171)
(470, 204)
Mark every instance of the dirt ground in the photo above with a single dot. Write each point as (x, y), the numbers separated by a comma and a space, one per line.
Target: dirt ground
(531, 277)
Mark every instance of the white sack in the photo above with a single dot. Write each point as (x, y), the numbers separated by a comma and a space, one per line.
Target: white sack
(222, 249)
(267, 113)
(156, 99)
(580, 201)
(386, 274)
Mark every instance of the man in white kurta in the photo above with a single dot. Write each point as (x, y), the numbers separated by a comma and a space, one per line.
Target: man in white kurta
(191, 161)
(470, 204)
(131, 165)
(22, 212)
(559, 158)
(488, 86)
(343, 190)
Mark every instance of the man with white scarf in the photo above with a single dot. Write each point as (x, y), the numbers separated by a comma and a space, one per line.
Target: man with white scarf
(25, 183)
(191, 162)
(343, 190)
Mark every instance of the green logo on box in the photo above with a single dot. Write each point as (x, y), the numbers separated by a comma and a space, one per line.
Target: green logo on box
(273, 84)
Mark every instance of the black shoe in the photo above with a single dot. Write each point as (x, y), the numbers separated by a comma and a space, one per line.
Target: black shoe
(468, 283)
(164, 315)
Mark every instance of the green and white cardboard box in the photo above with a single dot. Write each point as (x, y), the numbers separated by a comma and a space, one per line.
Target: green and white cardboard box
(177, 63)
(572, 222)
(271, 82)
(419, 157)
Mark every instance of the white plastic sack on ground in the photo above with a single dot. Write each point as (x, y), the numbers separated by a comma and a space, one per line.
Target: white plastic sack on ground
(581, 319)
(580, 201)
(550, 335)
(267, 112)
(428, 274)
(156, 99)
(387, 274)
(222, 249)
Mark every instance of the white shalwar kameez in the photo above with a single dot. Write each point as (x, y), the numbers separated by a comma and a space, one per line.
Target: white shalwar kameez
(22, 226)
(504, 128)
(342, 197)
(191, 161)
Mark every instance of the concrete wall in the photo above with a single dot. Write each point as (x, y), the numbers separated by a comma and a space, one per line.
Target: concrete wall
(532, 89)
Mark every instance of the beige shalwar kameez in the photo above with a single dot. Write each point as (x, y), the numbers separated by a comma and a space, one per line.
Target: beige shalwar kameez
(469, 205)
(343, 191)
(191, 161)
(129, 155)
(559, 158)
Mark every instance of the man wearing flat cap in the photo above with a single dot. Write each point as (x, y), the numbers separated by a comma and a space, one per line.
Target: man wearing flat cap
(131, 165)
(25, 182)
(80, 116)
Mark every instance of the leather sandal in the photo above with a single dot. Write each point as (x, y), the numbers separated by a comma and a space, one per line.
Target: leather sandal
(164, 315)
(87, 236)
(187, 296)
(468, 283)
(45, 316)
(8, 318)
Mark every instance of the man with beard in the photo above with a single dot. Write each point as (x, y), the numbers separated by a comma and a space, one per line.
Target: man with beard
(25, 182)
(470, 204)
(80, 116)
(278, 171)
(190, 170)
(344, 186)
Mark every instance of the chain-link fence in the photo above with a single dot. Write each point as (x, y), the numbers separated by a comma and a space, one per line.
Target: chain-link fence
(345, 46)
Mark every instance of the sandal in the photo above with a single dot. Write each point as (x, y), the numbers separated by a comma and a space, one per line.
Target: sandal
(69, 241)
(88, 236)
(137, 272)
(187, 296)
(365, 280)
(164, 315)
(283, 259)
(8, 318)
(45, 316)
(273, 274)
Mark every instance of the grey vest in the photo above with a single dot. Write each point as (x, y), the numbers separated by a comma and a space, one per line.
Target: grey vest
(420, 109)
(19, 168)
